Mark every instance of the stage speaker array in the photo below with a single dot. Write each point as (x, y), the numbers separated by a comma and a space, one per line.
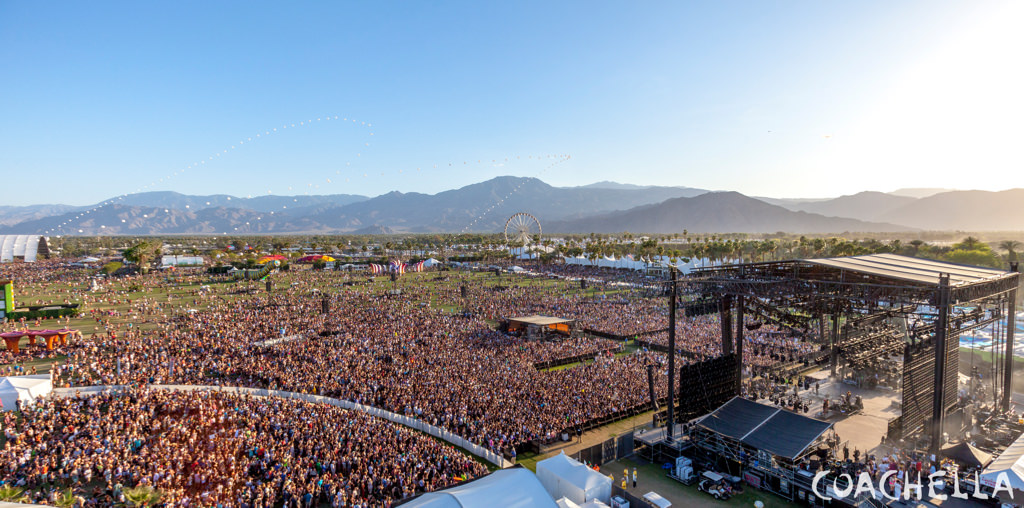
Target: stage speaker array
(701, 307)
(704, 386)
(325, 305)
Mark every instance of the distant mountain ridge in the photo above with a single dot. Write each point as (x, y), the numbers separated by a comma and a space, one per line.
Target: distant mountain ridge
(718, 212)
(485, 206)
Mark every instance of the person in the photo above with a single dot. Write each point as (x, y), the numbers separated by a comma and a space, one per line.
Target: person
(634, 477)
(816, 387)
(624, 485)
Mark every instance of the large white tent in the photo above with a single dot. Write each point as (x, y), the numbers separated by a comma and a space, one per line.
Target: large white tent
(24, 247)
(515, 487)
(1009, 464)
(565, 477)
(23, 388)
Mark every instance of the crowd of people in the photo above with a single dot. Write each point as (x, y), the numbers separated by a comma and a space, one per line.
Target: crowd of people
(406, 354)
(204, 448)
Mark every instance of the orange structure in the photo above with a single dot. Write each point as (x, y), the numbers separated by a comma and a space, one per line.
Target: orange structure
(53, 338)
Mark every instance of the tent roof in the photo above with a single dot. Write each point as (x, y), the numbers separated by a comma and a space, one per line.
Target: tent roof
(572, 470)
(965, 453)
(917, 270)
(515, 487)
(777, 431)
(1010, 461)
(537, 319)
(25, 381)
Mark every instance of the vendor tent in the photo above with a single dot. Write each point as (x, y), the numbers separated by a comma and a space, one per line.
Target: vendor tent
(23, 388)
(431, 262)
(515, 487)
(966, 454)
(565, 477)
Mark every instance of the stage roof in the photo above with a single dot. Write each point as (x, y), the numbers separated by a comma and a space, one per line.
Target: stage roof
(774, 430)
(541, 320)
(921, 271)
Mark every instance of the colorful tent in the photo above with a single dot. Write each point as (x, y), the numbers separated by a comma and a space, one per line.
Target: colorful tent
(314, 258)
(275, 257)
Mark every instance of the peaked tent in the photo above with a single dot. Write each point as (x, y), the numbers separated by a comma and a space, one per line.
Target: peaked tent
(1011, 463)
(23, 388)
(565, 477)
(515, 487)
(967, 454)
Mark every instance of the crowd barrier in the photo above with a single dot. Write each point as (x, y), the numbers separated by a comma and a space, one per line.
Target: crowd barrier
(558, 362)
(413, 423)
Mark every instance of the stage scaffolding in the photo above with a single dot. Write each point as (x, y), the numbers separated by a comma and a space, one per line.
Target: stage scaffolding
(943, 300)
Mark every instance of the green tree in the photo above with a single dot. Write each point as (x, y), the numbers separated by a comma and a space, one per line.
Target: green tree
(1010, 246)
(12, 494)
(142, 496)
(143, 253)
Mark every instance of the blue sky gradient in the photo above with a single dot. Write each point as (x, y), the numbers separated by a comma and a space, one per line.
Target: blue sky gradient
(785, 99)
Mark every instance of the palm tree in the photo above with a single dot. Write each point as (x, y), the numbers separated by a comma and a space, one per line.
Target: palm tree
(1010, 246)
(66, 499)
(970, 243)
(12, 494)
(142, 496)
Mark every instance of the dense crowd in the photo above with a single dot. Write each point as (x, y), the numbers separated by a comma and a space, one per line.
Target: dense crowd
(409, 355)
(765, 345)
(213, 449)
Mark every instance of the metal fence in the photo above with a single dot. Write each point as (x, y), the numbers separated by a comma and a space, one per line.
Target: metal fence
(613, 449)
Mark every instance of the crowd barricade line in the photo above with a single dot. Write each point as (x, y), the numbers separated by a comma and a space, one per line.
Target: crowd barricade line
(412, 423)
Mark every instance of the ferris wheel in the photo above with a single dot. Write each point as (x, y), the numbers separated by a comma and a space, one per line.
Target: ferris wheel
(520, 229)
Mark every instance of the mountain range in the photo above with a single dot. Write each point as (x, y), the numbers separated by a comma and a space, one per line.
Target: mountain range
(603, 207)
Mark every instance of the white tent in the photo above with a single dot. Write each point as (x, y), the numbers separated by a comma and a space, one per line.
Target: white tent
(565, 477)
(1009, 463)
(566, 503)
(515, 487)
(431, 262)
(23, 388)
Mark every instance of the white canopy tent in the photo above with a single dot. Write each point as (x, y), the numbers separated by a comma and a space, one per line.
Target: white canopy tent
(566, 503)
(23, 388)
(431, 262)
(515, 487)
(1009, 463)
(566, 477)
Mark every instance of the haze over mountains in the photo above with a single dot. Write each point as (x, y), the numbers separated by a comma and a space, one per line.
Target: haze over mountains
(603, 207)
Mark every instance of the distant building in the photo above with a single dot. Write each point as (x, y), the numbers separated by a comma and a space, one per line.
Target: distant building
(22, 248)
(182, 261)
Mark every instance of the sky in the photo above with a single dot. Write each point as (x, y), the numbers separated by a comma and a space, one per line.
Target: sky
(779, 99)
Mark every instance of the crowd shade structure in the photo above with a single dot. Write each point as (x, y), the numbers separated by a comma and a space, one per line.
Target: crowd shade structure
(936, 301)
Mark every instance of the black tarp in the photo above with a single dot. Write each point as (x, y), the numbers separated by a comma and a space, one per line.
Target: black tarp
(966, 454)
(737, 417)
(777, 431)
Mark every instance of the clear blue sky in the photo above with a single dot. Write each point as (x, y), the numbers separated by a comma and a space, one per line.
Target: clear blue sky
(785, 99)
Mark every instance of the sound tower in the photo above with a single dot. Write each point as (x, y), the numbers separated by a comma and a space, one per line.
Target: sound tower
(462, 289)
(325, 305)
(583, 283)
(394, 276)
(270, 286)
(650, 387)
(704, 386)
